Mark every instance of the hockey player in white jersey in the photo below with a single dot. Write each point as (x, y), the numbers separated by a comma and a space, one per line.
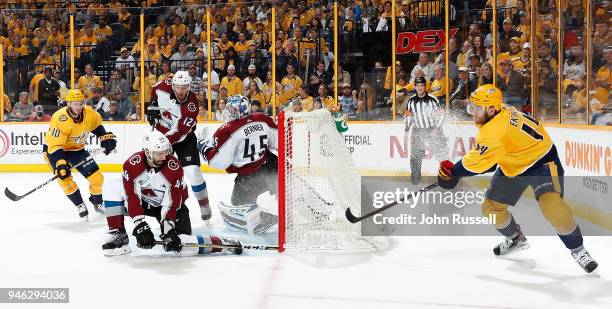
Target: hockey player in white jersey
(244, 145)
(152, 184)
(174, 112)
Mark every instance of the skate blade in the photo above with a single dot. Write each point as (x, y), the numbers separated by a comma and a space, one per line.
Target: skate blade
(518, 248)
(117, 251)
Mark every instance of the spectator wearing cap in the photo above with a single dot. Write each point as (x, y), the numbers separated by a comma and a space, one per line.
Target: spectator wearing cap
(48, 91)
(114, 114)
(23, 109)
(39, 115)
(505, 35)
(424, 64)
(124, 60)
(58, 77)
(348, 100)
(522, 64)
(252, 77)
(511, 84)
(231, 82)
(196, 81)
(290, 83)
(117, 82)
(460, 94)
(253, 57)
(215, 83)
(98, 101)
(182, 59)
(88, 82)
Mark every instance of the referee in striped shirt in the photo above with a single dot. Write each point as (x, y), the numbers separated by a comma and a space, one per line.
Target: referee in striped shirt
(424, 116)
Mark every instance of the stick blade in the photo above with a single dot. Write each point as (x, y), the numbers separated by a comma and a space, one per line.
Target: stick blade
(12, 196)
(350, 216)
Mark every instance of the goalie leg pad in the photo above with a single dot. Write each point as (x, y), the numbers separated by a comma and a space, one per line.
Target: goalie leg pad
(249, 218)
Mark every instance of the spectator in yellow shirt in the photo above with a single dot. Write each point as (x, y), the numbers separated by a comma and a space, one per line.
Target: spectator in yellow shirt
(291, 82)
(89, 81)
(232, 82)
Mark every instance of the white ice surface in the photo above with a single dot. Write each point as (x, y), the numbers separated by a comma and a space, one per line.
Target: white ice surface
(44, 244)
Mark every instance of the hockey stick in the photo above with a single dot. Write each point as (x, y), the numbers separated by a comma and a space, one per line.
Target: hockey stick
(353, 219)
(14, 197)
(247, 247)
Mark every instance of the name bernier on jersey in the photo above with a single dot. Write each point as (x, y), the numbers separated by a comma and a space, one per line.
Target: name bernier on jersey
(257, 127)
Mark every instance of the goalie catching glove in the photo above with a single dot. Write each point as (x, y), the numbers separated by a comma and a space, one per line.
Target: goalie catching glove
(108, 141)
(446, 179)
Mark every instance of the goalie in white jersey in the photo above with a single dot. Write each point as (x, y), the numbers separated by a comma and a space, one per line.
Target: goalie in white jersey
(244, 144)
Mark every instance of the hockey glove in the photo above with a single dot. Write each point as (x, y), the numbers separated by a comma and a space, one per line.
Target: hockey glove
(171, 240)
(108, 141)
(152, 113)
(144, 236)
(446, 179)
(62, 169)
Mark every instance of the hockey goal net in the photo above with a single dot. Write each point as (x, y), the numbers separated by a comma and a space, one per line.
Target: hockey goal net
(317, 181)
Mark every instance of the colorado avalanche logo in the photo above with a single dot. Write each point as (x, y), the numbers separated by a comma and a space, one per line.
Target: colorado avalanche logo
(173, 165)
(191, 107)
(134, 160)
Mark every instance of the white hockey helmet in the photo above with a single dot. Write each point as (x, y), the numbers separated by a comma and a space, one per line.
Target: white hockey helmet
(181, 78)
(237, 106)
(156, 142)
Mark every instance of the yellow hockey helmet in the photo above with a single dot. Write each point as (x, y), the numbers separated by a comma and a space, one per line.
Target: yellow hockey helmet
(486, 96)
(74, 95)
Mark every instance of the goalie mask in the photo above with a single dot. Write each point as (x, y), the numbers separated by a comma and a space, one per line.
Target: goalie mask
(156, 147)
(237, 106)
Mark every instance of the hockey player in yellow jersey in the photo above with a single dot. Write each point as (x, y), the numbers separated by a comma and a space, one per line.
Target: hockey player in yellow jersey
(520, 151)
(64, 147)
